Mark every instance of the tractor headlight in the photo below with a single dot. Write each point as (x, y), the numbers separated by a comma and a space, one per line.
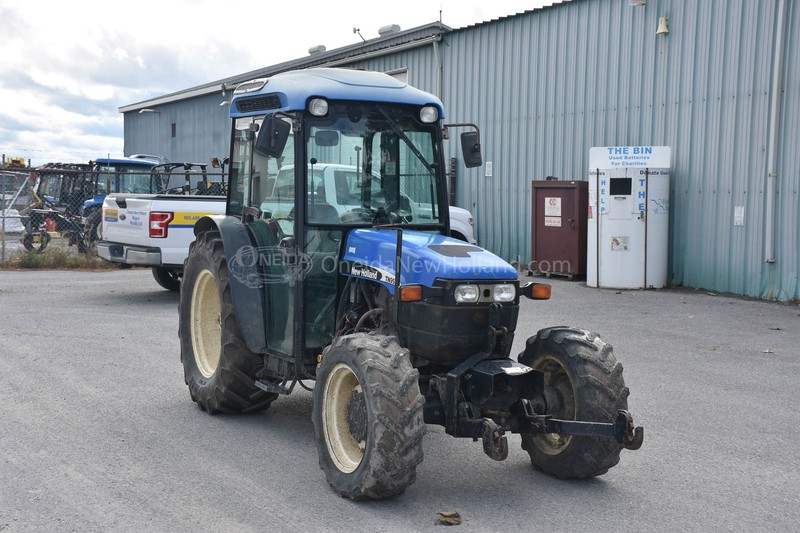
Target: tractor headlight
(429, 114)
(466, 294)
(505, 292)
(318, 107)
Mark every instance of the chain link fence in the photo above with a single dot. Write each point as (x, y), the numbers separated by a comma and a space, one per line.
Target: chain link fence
(14, 198)
(57, 206)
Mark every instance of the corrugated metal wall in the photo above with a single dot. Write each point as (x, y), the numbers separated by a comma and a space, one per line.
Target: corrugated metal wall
(202, 130)
(547, 85)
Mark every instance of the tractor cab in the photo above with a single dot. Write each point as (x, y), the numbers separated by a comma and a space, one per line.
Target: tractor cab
(327, 193)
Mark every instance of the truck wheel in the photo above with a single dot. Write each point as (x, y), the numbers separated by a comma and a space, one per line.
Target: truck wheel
(457, 235)
(168, 278)
(218, 367)
(583, 381)
(368, 416)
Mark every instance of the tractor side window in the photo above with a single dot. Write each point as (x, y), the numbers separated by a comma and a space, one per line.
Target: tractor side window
(257, 179)
(240, 166)
(417, 184)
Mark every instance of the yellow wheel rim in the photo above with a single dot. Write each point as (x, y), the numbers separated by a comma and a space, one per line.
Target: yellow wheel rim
(344, 449)
(205, 324)
(558, 380)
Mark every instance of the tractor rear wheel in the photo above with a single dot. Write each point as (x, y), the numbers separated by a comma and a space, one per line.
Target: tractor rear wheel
(583, 381)
(368, 416)
(218, 367)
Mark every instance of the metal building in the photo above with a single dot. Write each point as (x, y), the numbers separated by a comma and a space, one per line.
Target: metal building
(716, 80)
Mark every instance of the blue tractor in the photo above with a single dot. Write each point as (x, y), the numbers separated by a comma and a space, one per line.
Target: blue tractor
(113, 175)
(399, 325)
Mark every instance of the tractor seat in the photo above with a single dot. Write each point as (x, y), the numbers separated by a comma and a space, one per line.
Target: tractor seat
(323, 213)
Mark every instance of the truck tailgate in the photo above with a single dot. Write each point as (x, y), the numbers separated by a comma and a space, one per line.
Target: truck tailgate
(160, 225)
(126, 219)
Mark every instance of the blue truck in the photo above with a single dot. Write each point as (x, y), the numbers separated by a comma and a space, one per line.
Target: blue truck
(399, 325)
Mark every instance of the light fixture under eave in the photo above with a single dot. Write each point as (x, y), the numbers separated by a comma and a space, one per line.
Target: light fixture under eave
(663, 26)
(148, 110)
(224, 102)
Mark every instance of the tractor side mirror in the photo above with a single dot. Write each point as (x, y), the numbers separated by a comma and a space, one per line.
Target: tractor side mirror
(272, 136)
(471, 148)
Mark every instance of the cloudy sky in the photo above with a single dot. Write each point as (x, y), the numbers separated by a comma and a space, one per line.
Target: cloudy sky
(67, 67)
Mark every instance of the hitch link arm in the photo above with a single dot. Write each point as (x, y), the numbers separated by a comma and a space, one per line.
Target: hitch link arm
(622, 429)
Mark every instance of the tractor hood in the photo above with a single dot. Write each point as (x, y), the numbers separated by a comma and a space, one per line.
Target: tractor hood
(371, 254)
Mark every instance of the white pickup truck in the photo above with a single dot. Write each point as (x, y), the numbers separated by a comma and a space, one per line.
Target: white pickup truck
(155, 230)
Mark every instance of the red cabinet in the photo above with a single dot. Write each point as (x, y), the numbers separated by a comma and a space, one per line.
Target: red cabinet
(559, 220)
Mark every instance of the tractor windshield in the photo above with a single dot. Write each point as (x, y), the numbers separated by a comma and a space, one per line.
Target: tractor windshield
(365, 164)
(369, 164)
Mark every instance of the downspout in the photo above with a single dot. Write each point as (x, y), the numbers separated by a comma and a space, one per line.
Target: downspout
(438, 60)
(774, 131)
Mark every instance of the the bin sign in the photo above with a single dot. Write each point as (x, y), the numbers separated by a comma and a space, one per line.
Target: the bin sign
(629, 156)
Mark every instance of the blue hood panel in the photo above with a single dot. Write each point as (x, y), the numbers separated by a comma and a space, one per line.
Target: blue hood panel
(426, 256)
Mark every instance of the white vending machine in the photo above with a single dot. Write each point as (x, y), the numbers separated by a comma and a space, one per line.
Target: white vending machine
(628, 219)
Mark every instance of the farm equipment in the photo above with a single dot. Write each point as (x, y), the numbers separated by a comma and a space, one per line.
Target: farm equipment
(400, 325)
(15, 162)
(58, 193)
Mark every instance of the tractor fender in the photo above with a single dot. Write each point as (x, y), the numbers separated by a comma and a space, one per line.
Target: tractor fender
(246, 295)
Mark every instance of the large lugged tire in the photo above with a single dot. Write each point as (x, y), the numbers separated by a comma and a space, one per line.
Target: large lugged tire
(368, 416)
(219, 369)
(168, 278)
(585, 383)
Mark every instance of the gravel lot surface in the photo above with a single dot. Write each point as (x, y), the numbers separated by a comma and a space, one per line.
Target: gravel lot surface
(98, 433)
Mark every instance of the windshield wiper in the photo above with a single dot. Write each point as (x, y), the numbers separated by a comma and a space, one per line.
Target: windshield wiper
(400, 133)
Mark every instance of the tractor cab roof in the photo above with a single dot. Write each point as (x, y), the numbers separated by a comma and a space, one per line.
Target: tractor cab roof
(289, 91)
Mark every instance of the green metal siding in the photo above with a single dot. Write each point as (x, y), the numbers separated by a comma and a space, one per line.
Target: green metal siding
(547, 85)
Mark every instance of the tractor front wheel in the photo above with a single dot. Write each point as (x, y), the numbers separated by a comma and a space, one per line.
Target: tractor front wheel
(218, 367)
(368, 416)
(583, 381)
